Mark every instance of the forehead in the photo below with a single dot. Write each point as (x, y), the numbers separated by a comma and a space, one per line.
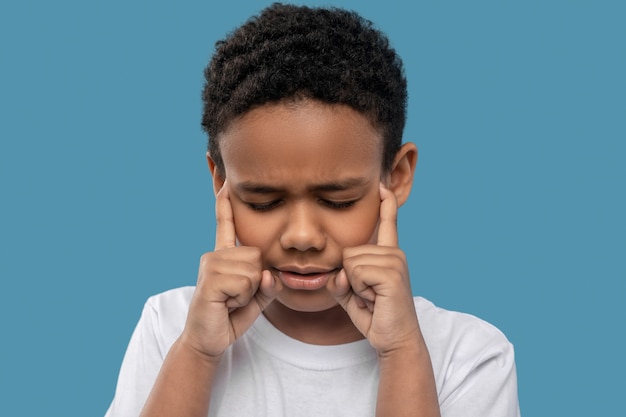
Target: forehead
(302, 141)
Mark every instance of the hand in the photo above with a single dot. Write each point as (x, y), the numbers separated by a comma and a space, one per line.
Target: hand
(374, 287)
(232, 288)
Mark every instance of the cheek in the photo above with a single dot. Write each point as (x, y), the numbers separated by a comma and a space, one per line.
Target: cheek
(354, 228)
(250, 229)
(358, 228)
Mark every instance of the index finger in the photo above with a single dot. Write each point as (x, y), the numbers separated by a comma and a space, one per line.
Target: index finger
(225, 236)
(388, 224)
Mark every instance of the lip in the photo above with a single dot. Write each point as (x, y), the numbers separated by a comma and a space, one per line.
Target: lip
(307, 278)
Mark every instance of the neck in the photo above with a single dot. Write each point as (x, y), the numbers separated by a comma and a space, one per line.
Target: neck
(328, 327)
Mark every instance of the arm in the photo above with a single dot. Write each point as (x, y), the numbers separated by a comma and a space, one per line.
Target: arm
(231, 292)
(407, 385)
(374, 289)
(183, 386)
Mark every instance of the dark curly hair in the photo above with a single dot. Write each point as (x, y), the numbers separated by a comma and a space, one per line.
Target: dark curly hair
(291, 52)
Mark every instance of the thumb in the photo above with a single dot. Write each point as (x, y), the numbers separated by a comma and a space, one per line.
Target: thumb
(269, 288)
(242, 318)
(339, 285)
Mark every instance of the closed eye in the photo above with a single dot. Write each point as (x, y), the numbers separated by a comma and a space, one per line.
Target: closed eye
(264, 207)
(328, 203)
(337, 205)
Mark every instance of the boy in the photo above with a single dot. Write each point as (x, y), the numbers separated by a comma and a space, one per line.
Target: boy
(305, 306)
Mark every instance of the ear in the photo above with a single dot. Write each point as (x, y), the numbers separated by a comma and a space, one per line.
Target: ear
(400, 179)
(218, 180)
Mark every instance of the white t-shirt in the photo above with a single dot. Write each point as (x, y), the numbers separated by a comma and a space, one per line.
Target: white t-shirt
(267, 373)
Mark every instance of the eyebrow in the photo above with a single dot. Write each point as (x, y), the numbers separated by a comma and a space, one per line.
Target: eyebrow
(335, 185)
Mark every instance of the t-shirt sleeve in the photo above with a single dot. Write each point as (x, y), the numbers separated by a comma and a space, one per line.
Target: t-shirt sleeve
(473, 363)
(141, 364)
(485, 386)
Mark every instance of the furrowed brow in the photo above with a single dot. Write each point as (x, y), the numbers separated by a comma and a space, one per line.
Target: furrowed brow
(335, 185)
(340, 184)
(256, 188)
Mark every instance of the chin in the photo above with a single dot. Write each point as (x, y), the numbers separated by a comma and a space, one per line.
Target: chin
(307, 301)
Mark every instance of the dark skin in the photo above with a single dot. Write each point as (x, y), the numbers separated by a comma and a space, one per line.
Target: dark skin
(306, 235)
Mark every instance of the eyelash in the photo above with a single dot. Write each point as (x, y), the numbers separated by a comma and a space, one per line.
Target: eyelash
(327, 203)
(338, 206)
(264, 207)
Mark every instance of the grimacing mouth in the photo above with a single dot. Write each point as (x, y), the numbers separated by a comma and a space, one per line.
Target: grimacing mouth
(306, 270)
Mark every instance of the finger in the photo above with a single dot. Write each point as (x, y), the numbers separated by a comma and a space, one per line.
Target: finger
(387, 226)
(237, 290)
(243, 317)
(262, 289)
(339, 288)
(225, 236)
(339, 285)
(362, 303)
(269, 288)
(362, 283)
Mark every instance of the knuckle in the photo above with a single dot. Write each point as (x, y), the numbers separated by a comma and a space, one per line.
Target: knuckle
(244, 284)
(255, 253)
(255, 256)
(400, 262)
(395, 275)
(221, 220)
(358, 271)
(205, 258)
(208, 262)
(349, 264)
(253, 274)
(398, 257)
(204, 269)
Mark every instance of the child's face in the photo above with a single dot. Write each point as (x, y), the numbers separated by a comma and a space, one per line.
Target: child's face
(304, 184)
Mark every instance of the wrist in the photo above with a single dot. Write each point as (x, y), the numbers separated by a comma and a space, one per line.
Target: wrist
(410, 345)
(407, 383)
(187, 347)
(406, 351)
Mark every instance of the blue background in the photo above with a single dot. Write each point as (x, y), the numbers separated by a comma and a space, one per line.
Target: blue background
(517, 215)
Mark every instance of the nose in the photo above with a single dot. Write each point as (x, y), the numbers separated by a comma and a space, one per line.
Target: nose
(303, 230)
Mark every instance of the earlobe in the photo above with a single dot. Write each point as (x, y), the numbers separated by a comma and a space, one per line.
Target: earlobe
(218, 180)
(401, 175)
